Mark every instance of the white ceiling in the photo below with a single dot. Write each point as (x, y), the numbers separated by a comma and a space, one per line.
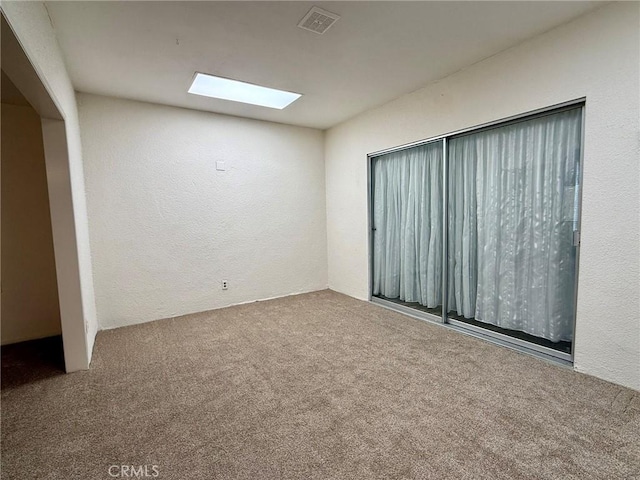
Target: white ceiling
(376, 52)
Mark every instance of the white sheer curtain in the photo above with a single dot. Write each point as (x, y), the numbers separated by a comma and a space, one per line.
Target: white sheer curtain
(407, 218)
(512, 212)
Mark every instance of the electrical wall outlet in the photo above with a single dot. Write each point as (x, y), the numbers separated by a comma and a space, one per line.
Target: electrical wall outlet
(225, 284)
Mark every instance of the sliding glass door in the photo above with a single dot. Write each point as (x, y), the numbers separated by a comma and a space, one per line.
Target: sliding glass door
(407, 226)
(508, 241)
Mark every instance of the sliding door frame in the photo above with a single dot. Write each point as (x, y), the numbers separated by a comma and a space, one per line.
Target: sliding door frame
(371, 158)
(445, 230)
(444, 320)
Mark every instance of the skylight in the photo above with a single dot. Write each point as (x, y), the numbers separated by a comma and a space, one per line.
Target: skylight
(236, 91)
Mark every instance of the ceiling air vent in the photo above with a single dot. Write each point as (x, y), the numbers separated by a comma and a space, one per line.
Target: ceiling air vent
(318, 20)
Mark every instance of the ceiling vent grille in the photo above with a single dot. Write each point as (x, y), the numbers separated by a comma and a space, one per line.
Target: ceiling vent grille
(318, 20)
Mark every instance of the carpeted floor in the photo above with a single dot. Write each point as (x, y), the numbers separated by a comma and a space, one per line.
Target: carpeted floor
(315, 386)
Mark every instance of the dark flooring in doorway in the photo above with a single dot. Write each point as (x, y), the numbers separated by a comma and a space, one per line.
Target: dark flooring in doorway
(315, 386)
(29, 362)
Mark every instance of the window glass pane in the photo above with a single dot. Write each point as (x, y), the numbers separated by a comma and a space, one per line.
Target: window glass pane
(512, 212)
(407, 222)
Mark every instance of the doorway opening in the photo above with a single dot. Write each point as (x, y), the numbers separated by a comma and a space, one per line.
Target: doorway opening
(41, 287)
(31, 330)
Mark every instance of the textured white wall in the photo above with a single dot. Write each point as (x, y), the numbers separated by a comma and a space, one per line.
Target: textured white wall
(33, 29)
(596, 56)
(167, 227)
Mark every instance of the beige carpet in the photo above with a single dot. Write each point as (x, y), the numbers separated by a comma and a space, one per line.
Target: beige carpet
(316, 386)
